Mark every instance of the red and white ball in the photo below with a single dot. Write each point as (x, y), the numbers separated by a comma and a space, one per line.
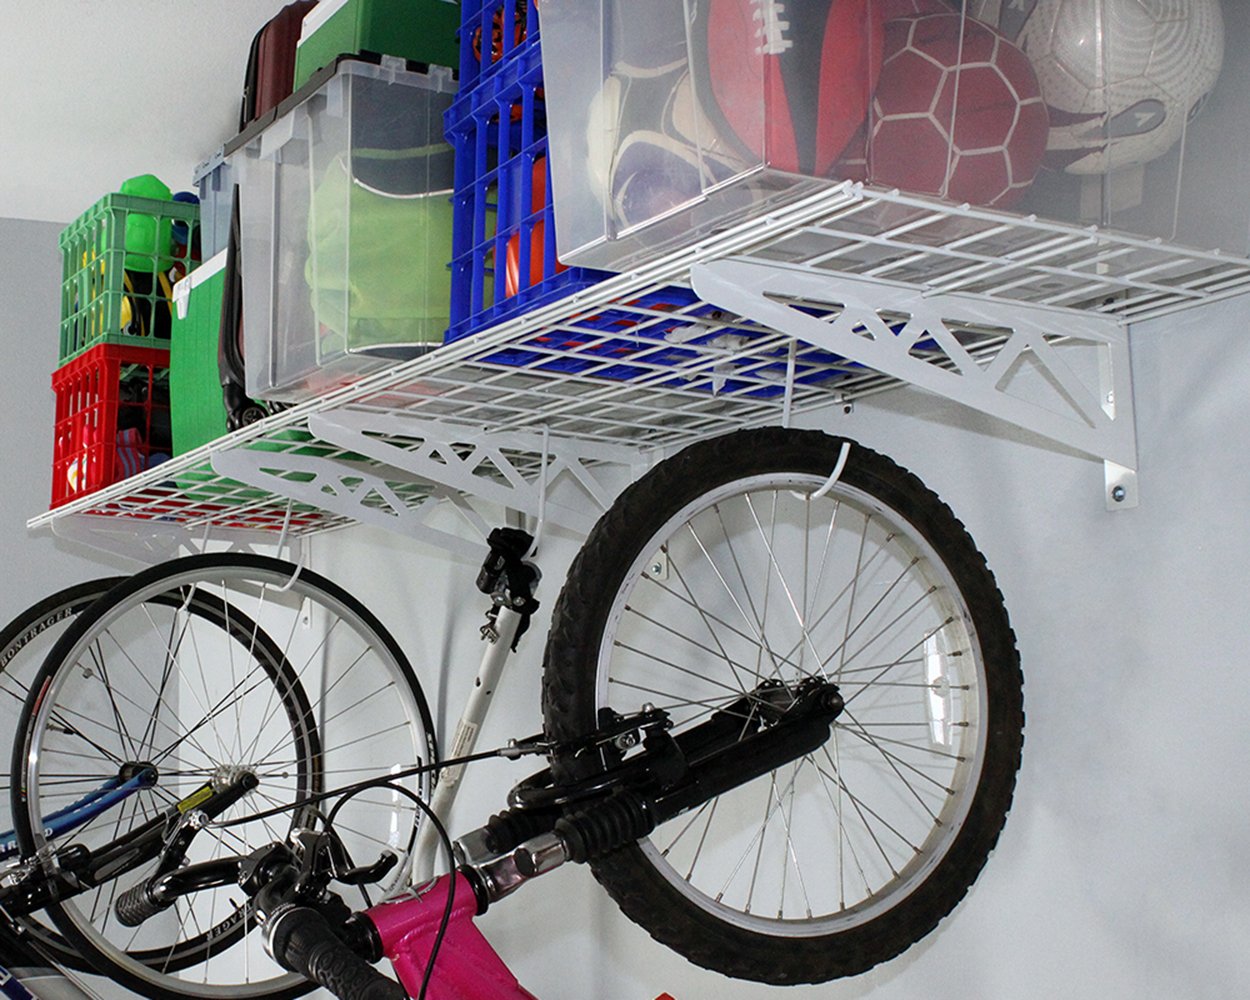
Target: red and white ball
(957, 113)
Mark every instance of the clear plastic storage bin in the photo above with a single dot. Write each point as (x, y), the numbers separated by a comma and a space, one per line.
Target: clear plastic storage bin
(346, 228)
(671, 119)
(214, 182)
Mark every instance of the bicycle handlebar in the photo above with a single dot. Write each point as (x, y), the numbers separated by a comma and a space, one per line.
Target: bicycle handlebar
(301, 940)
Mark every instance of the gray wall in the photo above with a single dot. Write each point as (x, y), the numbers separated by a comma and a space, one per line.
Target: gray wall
(30, 295)
(1121, 870)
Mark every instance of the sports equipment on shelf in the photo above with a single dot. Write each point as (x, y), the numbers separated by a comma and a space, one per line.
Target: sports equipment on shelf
(789, 82)
(957, 113)
(652, 146)
(1121, 77)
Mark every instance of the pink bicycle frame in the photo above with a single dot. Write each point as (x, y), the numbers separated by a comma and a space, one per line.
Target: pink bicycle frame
(467, 967)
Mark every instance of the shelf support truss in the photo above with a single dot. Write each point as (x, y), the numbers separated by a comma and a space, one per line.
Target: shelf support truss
(972, 350)
(396, 470)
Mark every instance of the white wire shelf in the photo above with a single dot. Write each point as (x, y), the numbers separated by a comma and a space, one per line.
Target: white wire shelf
(638, 361)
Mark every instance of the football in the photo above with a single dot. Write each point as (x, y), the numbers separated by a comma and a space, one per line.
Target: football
(957, 113)
(1121, 78)
(788, 81)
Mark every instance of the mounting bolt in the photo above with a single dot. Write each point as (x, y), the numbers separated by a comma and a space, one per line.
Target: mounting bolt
(848, 408)
(1118, 494)
(626, 741)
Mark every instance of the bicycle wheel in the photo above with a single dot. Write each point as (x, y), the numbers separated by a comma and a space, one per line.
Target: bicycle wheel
(24, 642)
(739, 563)
(216, 669)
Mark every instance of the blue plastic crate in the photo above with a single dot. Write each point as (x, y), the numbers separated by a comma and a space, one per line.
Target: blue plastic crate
(502, 200)
(485, 46)
(503, 249)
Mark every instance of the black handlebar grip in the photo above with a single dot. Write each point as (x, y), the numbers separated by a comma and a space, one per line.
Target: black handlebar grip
(136, 904)
(302, 940)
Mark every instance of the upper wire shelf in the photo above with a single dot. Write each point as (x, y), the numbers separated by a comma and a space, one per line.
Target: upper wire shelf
(638, 360)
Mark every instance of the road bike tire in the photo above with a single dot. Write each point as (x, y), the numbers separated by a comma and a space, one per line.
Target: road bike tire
(71, 723)
(277, 671)
(744, 559)
(24, 642)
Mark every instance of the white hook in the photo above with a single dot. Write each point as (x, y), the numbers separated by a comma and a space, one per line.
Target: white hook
(837, 472)
(282, 540)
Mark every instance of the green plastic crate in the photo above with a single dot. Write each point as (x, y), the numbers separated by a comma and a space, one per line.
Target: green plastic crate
(196, 410)
(421, 30)
(119, 261)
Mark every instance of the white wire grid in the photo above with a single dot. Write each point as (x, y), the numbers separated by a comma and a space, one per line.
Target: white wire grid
(638, 360)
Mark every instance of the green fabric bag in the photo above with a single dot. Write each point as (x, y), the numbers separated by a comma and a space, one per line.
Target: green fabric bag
(377, 264)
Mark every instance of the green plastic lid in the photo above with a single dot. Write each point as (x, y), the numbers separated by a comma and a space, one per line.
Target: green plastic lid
(147, 237)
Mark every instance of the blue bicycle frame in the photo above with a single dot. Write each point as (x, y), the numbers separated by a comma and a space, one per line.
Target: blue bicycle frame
(87, 808)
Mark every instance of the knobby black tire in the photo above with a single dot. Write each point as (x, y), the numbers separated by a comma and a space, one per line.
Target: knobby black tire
(581, 632)
(17, 668)
(304, 721)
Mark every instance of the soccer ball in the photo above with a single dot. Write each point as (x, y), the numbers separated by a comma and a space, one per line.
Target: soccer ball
(891, 10)
(957, 113)
(652, 148)
(1121, 78)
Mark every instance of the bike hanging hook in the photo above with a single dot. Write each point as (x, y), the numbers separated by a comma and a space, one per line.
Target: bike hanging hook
(836, 474)
(283, 540)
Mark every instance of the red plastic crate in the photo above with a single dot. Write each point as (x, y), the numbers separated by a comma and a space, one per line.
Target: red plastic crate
(112, 418)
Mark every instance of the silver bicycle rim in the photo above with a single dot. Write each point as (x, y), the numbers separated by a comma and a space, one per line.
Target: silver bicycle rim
(226, 714)
(767, 579)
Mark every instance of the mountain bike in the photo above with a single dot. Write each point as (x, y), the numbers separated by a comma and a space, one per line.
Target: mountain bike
(782, 717)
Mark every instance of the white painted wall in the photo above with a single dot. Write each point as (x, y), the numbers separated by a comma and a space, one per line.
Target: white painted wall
(30, 295)
(95, 91)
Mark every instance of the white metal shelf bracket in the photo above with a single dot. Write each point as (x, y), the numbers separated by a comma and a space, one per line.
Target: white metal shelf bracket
(409, 467)
(969, 349)
(496, 466)
(364, 494)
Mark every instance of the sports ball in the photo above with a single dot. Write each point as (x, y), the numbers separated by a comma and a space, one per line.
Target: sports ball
(787, 81)
(891, 10)
(957, 113)
(652, 148)
(1121, 77)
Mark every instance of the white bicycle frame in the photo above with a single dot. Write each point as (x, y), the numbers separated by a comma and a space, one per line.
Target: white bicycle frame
(499, 641)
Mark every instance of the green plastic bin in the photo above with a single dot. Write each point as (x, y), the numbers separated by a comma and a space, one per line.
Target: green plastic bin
(421, 30)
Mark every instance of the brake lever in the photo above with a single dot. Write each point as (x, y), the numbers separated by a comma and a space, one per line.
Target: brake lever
(368, 874)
